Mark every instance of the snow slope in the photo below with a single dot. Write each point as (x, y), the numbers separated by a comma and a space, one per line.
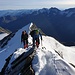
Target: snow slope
(2, 35)
(12, 45)
(46, 60)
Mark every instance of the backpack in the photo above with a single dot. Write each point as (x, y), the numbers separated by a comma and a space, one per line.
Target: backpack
(34, 32)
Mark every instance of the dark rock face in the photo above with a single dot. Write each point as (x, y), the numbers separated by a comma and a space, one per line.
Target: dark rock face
(5, 40)
(22, 65)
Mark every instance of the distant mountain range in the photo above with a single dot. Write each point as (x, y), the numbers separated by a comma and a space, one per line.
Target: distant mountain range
(59, 24)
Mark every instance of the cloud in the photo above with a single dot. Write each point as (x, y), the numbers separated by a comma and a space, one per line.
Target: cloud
(59, 2)
(19, 4)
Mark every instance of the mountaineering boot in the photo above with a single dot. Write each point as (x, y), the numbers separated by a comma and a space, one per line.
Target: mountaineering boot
(37, 44)
(26, 46)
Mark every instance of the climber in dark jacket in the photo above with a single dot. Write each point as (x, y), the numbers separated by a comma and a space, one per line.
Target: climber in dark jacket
(24, 39)
(35, 35)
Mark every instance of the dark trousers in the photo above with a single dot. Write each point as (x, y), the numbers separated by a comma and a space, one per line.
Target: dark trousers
(37, 41)
(25, 42)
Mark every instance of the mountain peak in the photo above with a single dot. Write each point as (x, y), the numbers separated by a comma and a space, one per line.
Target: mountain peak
(51, 58)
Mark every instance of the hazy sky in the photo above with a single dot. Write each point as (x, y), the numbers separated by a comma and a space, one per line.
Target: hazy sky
(36, 4)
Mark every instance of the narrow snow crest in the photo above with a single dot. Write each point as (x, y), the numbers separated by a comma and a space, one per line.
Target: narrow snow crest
(52, 58)
(48, 62)
(13, 44)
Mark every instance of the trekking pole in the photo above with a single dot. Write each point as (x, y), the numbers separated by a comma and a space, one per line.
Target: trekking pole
(41, 43)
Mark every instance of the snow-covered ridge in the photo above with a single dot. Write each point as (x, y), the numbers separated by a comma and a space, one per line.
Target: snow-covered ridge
(22, 12)
(12, 45)
(15, 12)
(46, 61)
(2, 35)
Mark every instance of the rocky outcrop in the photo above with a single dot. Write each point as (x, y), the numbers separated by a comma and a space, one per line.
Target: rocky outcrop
(27, 69)
(20, 66)
(5, 40)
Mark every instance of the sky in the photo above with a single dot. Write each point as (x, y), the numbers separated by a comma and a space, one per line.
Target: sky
(35, 4)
